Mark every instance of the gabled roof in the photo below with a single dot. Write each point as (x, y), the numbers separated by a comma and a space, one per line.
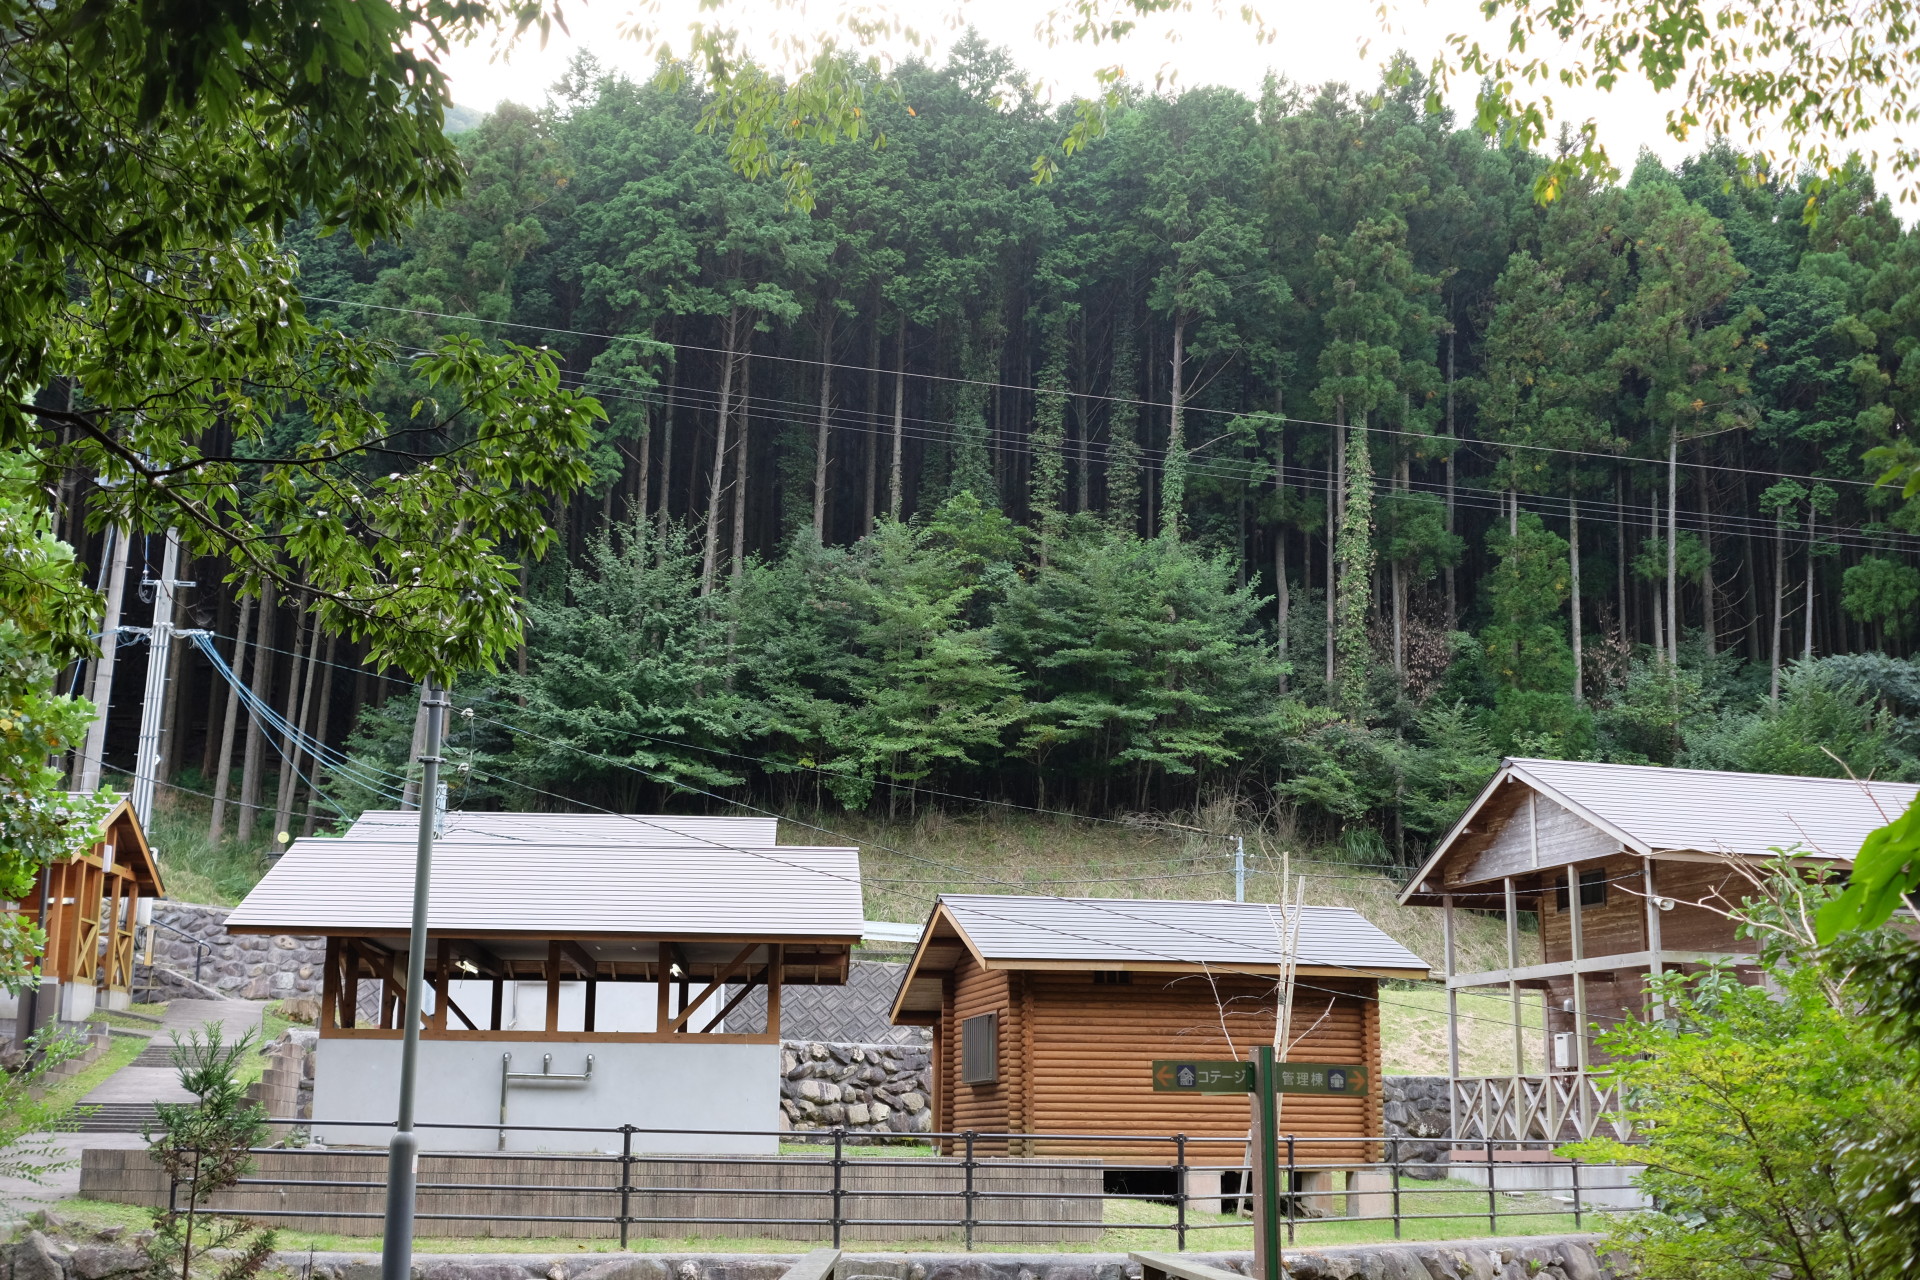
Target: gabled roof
(1653, 810)
(491, 887)
(121, 829)
(1142, 935)
(646, 829)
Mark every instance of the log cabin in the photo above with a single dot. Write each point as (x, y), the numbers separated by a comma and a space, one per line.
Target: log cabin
(606, 955)
(1659, 854)
(96, 898)
(1049, 1013)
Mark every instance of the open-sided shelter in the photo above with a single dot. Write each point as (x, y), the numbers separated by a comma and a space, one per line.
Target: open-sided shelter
(554, 937)
(1659, 855)
(1049, 1013)
(93, 910)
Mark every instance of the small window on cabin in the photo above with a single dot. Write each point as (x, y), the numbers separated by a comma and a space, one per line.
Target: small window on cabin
(980, 1049)
(1593, 890)
(1112, 978)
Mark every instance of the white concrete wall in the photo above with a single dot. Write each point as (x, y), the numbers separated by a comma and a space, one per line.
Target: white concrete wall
(650, 1086)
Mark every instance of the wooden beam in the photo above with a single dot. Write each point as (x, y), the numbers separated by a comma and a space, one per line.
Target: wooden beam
(733, 966)
(584, 962)
(1597, 964)
(753, 980)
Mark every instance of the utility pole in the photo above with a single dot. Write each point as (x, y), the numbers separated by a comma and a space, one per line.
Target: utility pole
(115, 554)
(403, 1153)
(146, 763)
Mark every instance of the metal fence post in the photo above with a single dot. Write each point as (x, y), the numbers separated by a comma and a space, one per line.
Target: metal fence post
(839, 1190)
(1493, 1208)
(1574, 1168)
(1292, 1200)
(626, 1181)
(968, 1193)
(1179, 1191)
(1393, 1153)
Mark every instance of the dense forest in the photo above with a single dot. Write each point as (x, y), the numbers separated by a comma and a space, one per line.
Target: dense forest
(1283, 450)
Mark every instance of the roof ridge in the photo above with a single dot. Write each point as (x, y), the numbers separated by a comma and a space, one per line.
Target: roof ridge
(1717, 773)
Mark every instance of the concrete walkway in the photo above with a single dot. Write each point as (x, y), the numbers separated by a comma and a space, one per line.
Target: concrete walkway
(22, 1196)
(152, 1076)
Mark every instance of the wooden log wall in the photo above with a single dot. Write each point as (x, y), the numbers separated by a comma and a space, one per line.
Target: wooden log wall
(1076, 1056)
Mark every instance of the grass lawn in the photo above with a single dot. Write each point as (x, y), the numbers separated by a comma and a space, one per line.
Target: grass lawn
(1129, 1225)
(1413, 1030)
(122, 1050)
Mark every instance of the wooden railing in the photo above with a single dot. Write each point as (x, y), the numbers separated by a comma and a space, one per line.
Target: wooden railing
(1559, 1107)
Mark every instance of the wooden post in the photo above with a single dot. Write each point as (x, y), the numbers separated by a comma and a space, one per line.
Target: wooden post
(593, 990)
(1453, 1017)
(1513, 998)
(442, 985)
(349, 982)
(1655, 966)
(330, 987)
(553, 987)
(776, 976)
(499, 1003)
(663, 1010)
(1578, 941)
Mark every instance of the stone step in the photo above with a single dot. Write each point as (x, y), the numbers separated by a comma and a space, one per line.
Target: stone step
(117, 1117)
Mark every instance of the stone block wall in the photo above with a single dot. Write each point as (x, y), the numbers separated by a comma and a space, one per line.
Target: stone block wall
(247, 966)
(869, 1088)
(1415, 1108)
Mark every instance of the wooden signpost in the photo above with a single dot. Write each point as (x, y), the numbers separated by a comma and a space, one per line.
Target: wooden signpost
(1267, 1080)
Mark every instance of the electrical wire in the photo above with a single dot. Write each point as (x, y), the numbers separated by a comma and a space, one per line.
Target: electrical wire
(1196, 410)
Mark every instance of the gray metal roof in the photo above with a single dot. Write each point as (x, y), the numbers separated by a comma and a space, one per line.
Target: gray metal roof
(494, 886)
(651, 829)
(1137, 930)
(1708, 811)
(1654, 809)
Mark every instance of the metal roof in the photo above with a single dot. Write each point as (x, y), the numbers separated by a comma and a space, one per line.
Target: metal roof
(489, 886)
(1007, 930)
(648, 829)
(1652, 809)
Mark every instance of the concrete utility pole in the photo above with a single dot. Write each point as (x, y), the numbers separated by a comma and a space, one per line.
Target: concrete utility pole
(87, 776)
(403, 1153)
(146, 763)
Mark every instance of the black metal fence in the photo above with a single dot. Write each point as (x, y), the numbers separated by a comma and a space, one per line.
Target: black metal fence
(853, 1184)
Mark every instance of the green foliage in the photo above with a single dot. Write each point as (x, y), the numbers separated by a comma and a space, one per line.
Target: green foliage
(1768, 1110)
(1884, 592)
(1524, 647)
(205, 1147)
(1819, 713)
(1646, 718)
(30, 1125)
(42, 602)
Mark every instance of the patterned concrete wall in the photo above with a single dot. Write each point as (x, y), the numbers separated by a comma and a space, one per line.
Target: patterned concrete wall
(853, 1014)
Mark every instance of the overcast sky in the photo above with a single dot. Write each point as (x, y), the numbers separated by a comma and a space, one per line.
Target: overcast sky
(1337, 40)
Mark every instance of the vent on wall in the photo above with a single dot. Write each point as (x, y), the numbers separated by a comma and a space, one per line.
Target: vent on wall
(1112, 978)
(980, 1049)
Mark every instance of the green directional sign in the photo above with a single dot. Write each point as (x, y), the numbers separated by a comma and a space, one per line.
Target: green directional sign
(1326, 1078)
(1170, 1076)
(1340, 1080)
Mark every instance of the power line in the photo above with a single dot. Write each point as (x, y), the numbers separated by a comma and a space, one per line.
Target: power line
(1079, 395)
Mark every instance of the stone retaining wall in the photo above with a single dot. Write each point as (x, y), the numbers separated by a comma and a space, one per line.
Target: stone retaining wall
(250, 967)
(871, 1088)
(1416, 1108)
(116, 1255)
